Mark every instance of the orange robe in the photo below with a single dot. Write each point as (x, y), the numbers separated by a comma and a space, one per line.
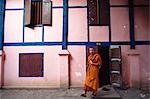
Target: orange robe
(92, 79)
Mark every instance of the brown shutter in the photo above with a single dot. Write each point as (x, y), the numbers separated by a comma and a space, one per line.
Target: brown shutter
(93, 12)
(27, 11)
(31, 65)
(47, 12)
(104, 12)
(98, 11)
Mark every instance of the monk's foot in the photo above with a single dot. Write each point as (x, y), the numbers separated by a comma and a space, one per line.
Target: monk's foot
(106, 89)
(83, 95)
(93, 95)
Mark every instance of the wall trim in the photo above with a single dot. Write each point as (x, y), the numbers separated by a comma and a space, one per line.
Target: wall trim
(75, 43)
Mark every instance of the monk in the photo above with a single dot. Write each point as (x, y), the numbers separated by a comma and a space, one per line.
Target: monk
(91, 81)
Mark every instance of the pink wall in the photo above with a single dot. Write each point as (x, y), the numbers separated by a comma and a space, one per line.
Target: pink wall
(141, 2)
(14, 3)
(99, 33)
(125, 65)
(77, 2)
(57, 2)
(120, 24)
(141, 17)
(54, 32)
(77, 32)
(77, 29)
(33, 35)
(118, 2)
(51, 66)
(77, 65)
(13, 26)
(144, 65)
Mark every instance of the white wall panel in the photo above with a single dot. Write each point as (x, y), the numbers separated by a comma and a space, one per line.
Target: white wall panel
(51, 67)
(99, 33)
(77, 2)
(141, 21)
(33, 35)
(118, 2)
(13, 29)
(120, 24)
(77, 29)
(77, 65)
(57, 2)
(14, 4)
(54, 32)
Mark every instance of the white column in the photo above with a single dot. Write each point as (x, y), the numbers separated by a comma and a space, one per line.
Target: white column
(64, 68)
(134, 68)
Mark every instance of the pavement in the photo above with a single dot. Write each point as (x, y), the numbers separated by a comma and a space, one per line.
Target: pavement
(73, 93)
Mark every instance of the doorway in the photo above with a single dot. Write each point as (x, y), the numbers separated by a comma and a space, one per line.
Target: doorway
(104, 75)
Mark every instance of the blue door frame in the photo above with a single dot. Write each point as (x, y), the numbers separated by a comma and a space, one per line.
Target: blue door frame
(2, 7)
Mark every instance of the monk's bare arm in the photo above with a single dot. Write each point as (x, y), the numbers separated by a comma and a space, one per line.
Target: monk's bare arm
(98, 61)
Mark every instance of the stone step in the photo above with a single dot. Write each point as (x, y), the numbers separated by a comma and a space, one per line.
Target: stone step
(107, 92)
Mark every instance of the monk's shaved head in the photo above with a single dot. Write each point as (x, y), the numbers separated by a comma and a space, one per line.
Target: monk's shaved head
(91, 50)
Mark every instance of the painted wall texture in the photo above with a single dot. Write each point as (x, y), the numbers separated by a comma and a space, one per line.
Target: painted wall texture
(48, 39)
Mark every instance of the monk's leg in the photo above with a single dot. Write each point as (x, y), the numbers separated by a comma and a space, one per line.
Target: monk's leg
(85, 92)
(94, 92)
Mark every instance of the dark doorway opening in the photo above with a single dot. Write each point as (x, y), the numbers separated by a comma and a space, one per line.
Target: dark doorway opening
(104, 75)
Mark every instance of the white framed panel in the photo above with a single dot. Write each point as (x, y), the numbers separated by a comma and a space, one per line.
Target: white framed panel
(33, 35)
(12, 4)
(118, 2)
(99, 33)
(120, 24)
(57, 2)
(54, 32)
(13, 29)
(77, 65)
(141, 2)
(77, 2)
(141, 23)
(77, 25)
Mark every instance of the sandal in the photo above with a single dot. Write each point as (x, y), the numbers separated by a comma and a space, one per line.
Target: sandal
(83, 95)
(93, 95)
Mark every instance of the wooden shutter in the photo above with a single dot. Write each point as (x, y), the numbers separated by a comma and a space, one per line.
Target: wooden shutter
(104, 12)
(93, 12)
(27, 12)
(31, 65)
(36, 12)
(47, 12)
(98, 11)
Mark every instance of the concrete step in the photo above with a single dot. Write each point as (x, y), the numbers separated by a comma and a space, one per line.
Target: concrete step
(107, 92)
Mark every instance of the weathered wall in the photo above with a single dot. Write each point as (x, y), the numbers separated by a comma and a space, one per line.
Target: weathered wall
(77, 32)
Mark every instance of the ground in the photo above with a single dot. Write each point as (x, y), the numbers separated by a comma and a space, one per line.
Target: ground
(73, 93)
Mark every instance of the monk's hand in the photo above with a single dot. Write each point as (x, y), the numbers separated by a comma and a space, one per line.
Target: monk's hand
(91, 62)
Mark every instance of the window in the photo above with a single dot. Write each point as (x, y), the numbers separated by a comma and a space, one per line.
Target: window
(38, 12)
(98, 11)
(31, 65)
